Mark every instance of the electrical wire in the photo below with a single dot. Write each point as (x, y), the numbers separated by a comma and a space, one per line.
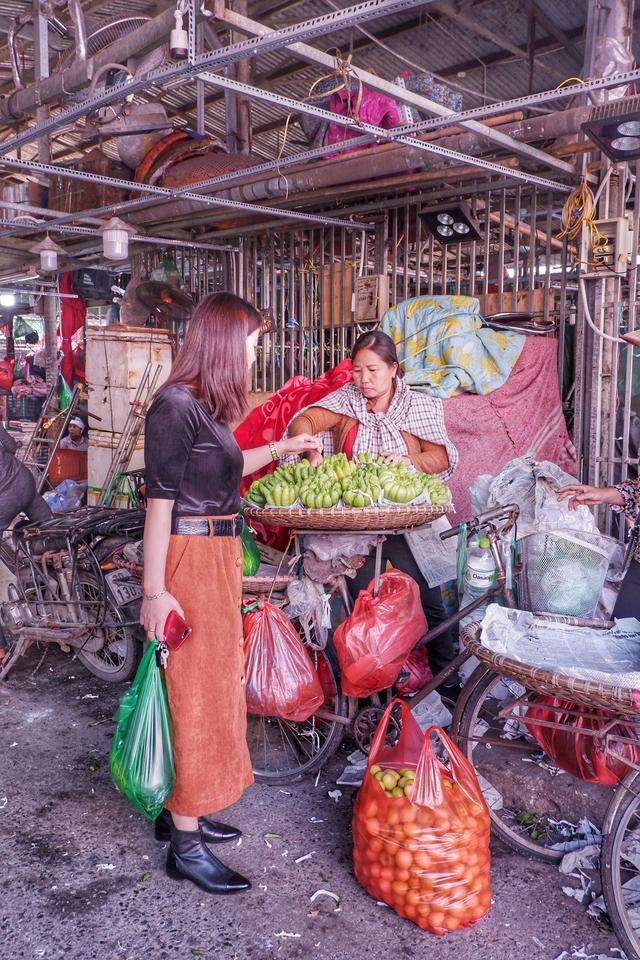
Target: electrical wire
(587, 316)
(580, 212)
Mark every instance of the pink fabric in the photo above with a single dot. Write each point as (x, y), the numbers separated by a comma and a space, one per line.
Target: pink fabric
(375, 108)
(523, 416)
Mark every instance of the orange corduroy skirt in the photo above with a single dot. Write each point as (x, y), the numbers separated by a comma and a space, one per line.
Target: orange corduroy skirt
(205, 676)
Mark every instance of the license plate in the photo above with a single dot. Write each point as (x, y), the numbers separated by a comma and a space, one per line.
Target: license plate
(123, 589)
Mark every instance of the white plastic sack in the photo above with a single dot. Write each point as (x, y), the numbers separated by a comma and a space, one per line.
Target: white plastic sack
(331, 546)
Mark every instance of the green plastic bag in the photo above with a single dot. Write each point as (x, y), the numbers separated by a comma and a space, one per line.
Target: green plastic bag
(141, 757)
(64, 393)
(250, 552)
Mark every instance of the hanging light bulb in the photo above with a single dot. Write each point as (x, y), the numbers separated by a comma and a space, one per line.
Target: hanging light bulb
(115, 239)
(48, 250)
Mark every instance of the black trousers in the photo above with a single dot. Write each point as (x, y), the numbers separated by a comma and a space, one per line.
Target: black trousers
(396, 551)
(628, 602)
(22, 497)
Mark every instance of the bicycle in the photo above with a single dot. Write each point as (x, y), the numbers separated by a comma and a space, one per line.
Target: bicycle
(283, 751)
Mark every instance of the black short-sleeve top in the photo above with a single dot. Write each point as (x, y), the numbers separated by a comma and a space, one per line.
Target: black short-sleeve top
(190, 457)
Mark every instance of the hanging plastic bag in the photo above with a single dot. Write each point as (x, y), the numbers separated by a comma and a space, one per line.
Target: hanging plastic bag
(421, 830)
(573, 748)
(281, 679)
(64, 393)
(250, 552)
(380, 633)
(141, 757)
(6, 374)
(21, 328)
(415, 673)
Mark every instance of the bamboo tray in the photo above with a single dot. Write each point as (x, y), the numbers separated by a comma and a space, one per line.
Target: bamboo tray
(554, 683)
(347, 518)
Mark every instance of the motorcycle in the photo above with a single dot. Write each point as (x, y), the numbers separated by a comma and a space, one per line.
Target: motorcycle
(77, 584)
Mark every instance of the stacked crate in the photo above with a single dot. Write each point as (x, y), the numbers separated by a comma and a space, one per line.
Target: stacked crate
(117, 357)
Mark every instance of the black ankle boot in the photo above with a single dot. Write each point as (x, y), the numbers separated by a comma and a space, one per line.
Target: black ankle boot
(211, 830)
(190, 859)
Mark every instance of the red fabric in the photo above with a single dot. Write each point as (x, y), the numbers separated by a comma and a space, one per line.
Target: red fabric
(376, 638)
(72, 317)
(522, 416)
(577, 752)
(269, 422)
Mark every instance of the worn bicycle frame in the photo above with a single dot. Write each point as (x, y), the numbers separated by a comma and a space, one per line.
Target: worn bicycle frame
(46, 559)
(494, 531)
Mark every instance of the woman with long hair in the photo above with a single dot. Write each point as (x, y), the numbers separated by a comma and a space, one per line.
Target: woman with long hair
(193, 565)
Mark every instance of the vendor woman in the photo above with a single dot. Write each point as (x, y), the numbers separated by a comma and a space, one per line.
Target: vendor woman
(378, 414)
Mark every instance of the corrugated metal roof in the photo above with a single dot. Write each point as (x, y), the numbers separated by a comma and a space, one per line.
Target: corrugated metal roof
(426, 38)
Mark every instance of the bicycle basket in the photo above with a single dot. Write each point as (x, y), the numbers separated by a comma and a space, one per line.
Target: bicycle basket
(563, 572)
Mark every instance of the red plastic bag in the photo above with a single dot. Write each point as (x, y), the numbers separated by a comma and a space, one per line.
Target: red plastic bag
(376, 638)
(415, 673)
(425, 850)
(281, 680)
(575, 751)
(6, 374)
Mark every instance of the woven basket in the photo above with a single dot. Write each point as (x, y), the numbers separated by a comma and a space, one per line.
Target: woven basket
(258, 585)
(347, 518)
(554, 684)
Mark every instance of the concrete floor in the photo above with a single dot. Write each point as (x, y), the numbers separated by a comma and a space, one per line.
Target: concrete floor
(83, 878)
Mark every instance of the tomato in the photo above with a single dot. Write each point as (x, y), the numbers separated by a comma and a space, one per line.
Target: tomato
(410, 912)
(413, 896)
(370, 810)
(372, 825)
(437, 919)
(451, 922)
(387, 873)
(375, 870)
(404, 859)
(385, 888)
(403, 875)
(400, 887)
(408, 813)
(393, 817)
(375, 844)
(413, 830)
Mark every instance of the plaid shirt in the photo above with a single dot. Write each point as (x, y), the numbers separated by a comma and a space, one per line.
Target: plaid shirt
(415, 413)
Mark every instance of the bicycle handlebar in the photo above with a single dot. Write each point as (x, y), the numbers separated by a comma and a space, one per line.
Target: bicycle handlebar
(509, 512)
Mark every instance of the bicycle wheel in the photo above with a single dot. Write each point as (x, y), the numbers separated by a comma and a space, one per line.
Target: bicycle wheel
(620, 865)
(524, 797)
(113, 652)
(283, 751)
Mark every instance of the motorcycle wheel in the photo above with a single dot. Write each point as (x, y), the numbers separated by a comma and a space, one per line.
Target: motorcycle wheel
(118, 658)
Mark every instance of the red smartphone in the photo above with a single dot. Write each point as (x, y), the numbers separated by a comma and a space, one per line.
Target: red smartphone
(176, 631)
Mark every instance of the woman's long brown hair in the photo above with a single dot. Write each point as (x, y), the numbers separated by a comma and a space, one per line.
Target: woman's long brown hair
(213, 359)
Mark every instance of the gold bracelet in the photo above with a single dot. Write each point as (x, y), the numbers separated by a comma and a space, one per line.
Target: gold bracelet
(273, 451)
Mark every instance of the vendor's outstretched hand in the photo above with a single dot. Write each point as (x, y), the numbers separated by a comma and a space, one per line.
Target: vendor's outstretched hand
(580, 494)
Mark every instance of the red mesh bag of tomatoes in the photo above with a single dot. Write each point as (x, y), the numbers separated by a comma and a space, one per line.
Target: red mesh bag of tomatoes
(281, 679)
(574, 748)
(421, 830)
(376, 638)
